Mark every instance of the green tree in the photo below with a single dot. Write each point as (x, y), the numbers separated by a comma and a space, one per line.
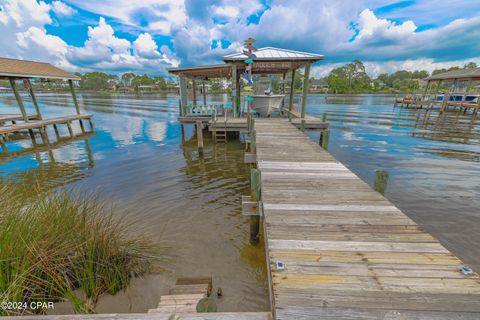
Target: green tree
(143, 80)
(127, 78)
(470, 65)
(351, 77)
(95, 80)
(160, 82)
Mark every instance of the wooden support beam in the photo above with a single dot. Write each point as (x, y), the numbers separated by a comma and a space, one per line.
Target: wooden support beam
(57, 134)
(306, 81)
(292, 90)
(183, 95)
(91, 124)
(204, 94)
(28, 84)
(194, 93)
(69, 126)
(74, 96)
(284, 76)
(19, 99)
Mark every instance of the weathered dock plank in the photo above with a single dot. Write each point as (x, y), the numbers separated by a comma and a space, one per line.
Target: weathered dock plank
(347, 252)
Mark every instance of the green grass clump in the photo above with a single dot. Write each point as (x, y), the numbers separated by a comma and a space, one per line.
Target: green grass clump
(60, 242)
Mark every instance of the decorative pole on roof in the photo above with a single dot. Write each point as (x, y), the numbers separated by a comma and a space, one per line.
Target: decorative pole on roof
(247, 74)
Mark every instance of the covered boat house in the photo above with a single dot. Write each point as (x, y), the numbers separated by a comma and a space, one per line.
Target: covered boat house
(14, 70)
(457, 89)
(266, 61)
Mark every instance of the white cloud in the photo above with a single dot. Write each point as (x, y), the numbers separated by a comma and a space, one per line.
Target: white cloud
(104, 51)
(161, 16)
(146, 47)
(371, 27)
(103, 35)
(61, 9)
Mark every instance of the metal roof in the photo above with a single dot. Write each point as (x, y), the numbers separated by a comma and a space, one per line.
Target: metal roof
(460, 74)
(13, 68)
(271, 54)
(208, 71)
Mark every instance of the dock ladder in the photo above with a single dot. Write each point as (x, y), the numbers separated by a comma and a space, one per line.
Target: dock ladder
(220, 131)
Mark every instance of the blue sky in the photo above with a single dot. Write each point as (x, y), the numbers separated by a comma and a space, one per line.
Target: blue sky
(148, 36)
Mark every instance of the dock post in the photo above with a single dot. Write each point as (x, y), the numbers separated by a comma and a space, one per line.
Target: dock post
(255, 186)
(292, 90)
(306, 80)
(198, 124)
(253, 141)
(324, 139)
(381, 181)
(28, 85)
(284, 76)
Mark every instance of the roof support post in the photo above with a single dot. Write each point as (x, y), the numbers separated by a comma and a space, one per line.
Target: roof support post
(204, 94)
(19, 99)
(292, 90)
(183, 95)
(306, 81)
(194, 91)
(238, 98)
(284, 76)
(28, 84)
(74, 96)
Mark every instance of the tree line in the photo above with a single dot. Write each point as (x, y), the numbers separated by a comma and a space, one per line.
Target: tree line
(127, 81)
(352, 78)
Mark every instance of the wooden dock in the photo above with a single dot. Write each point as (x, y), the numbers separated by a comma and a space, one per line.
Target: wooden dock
(337, 249)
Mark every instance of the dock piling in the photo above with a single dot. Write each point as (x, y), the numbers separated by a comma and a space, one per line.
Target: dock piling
(198, 125)
(381, 181)
(255, 186)
(324, 139)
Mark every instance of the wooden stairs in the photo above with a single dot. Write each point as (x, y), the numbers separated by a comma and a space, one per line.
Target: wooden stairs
(184, 296)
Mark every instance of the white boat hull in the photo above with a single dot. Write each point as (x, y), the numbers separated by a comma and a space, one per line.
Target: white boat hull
(264, 105)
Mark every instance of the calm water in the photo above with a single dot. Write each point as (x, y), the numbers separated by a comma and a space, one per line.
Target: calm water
(137, 160)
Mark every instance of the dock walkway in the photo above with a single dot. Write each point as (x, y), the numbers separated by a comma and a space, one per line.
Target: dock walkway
(348, 253)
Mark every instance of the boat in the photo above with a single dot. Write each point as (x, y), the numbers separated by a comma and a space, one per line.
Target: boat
(264, 101)
(264, 104)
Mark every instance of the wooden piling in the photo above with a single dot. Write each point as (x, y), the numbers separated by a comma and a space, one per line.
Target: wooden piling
(381, 181)
(306, 81)
(198, 125)
(324, 139)
(255, 187)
